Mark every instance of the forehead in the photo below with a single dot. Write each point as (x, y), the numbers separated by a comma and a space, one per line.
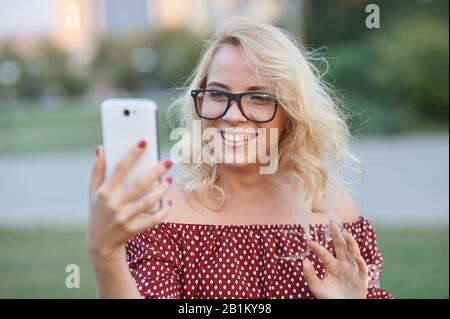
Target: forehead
(229, 66)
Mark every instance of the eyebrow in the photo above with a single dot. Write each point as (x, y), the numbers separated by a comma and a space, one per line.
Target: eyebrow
(226, 87)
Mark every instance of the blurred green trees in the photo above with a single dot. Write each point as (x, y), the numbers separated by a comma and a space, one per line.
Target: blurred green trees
(396, 77)
(124, 62)
(119, 62)
(49, 71)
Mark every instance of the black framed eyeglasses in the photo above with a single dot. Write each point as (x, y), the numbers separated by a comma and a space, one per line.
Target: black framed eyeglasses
(258, 107)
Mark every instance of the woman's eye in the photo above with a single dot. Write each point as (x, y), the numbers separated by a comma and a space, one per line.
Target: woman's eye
(261, 98)
(217, 95)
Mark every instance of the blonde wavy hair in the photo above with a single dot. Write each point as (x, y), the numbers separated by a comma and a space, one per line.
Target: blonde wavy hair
(316, 133)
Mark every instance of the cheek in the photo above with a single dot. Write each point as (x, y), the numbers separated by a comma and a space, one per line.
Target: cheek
(279, 120)
(208, 124)
(209, 130)
(210, 134)
(278, 123)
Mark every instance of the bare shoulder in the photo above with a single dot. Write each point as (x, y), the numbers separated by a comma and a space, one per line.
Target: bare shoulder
(342, 204)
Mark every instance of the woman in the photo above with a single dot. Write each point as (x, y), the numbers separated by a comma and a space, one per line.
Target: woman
(219, 232)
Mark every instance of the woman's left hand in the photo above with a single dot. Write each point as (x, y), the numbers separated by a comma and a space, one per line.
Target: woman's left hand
(346, 274)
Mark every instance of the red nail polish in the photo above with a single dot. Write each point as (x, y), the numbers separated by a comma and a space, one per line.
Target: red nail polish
(142, 144)
(169, 179)
(167, 164)
(97, 151)
(169, 202)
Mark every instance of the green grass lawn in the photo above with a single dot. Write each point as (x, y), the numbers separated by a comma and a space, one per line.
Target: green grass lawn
(415, 262)
(32, 263)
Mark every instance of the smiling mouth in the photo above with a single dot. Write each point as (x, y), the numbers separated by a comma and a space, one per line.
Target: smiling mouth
(237, 139)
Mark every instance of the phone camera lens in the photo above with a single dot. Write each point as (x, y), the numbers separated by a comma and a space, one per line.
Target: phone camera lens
(126, 112)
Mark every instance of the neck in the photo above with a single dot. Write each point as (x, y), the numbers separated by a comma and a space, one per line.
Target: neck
(255, 197)
(246, 181)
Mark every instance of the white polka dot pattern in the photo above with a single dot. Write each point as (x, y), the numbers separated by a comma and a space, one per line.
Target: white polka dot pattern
(175, 260)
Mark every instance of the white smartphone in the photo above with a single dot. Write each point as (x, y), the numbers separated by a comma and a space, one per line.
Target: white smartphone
(126, 122)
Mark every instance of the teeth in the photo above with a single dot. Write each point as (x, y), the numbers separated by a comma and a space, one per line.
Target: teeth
(237, 138)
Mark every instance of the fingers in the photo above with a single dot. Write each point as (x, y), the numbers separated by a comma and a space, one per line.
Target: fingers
(98, 171)
(361, 263)
(325, 256)
(124, 165)
(310, 274)
(147, 202)
(144, 221)
(143, 184)
(354, 252)
(339, 242)
(351, 243)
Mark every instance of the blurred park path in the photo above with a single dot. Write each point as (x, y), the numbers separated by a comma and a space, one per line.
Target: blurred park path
(406, 184)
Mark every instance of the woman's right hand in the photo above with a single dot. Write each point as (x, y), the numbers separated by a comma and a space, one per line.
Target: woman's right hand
(117, 213)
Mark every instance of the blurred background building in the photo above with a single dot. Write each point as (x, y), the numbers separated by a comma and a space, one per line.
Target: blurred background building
(51, 18)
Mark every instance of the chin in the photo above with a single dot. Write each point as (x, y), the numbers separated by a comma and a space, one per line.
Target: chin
(230, 161)
(236, 166)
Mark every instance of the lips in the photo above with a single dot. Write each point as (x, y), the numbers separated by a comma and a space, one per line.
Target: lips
(236, 138)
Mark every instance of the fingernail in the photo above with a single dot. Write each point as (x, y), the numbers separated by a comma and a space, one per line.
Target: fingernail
(169, 179)
(169, 202)
(97, 151)
(167, 164)
(142, 144)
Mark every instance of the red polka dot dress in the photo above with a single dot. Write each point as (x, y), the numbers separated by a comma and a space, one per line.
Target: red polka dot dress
(176, 260)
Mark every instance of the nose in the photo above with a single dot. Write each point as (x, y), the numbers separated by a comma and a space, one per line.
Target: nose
(234, 114)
